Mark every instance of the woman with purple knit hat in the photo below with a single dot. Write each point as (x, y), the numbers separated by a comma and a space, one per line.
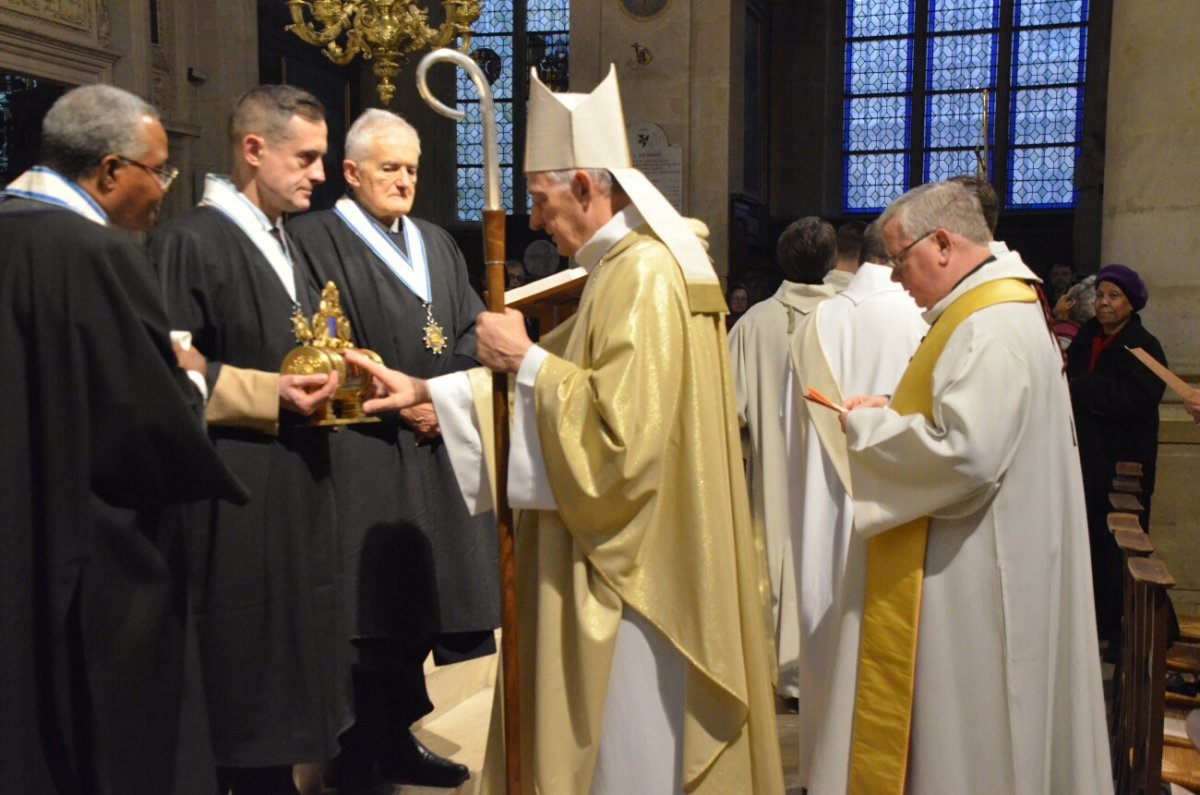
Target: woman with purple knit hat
(1116, 399)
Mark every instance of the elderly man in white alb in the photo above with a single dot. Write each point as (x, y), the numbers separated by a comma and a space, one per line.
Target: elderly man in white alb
(978, 668)
(858, 342)
(645, 661)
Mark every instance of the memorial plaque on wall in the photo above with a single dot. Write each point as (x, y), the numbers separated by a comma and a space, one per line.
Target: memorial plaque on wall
(660, 161)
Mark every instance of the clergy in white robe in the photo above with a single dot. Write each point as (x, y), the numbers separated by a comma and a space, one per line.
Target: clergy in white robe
(983, 672)
(758, 354)
(645, 663)
(837, 280)
(856, 343)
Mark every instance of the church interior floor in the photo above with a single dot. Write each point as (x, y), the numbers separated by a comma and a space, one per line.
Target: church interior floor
(461, 734)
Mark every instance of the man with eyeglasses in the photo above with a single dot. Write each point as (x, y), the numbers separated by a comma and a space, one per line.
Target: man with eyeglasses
(165, 175)
(272, 638)
(100, 442)
(976, 601)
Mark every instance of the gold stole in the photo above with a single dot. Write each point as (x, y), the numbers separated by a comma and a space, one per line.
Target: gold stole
(887, 653)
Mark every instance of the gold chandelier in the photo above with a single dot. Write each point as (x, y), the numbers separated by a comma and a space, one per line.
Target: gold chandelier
(382, 30)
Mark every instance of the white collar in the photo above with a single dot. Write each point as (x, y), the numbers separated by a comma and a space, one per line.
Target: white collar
(412, 268)
(802, 297)
(607, 236)
(42, 184)
(222, 195)
(871, 279)
(839, 280)
(220, 192)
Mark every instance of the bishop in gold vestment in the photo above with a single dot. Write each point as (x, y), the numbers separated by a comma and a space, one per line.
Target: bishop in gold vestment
(641, 589)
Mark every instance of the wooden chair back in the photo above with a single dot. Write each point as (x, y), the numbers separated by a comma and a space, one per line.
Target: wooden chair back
(1133, 543)
(1129, 469)
(1139, 750)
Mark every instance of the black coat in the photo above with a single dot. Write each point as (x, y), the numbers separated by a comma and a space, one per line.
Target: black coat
(416, 562)
(266, 576)
(99, 436)
(1116, 407)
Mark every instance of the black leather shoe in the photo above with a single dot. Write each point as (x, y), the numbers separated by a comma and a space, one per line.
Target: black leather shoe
(413, 763)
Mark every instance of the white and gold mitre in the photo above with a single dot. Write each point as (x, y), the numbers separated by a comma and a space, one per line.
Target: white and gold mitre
(576, 130)
(569, 131)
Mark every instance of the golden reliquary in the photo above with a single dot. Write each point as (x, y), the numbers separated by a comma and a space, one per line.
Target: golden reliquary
(320, 351)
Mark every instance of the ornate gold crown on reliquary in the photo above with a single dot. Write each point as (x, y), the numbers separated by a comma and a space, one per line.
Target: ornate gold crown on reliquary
(320, 349)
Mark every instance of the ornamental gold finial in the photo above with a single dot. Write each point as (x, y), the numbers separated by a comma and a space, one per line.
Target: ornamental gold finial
(385, 31)
(320, 349)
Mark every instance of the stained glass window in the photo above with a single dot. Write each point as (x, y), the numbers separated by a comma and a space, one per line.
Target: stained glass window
(961, 15)
(879, 53)
(503, 26)
(882, 18)
(545, 15)
(907, 77)
(1048, 65)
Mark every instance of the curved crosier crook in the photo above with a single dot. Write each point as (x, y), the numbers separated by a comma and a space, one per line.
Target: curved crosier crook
(493, 255)
(491, 156)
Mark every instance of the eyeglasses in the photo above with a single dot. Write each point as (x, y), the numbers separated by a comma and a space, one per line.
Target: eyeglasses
(165, 175)
(900, 256)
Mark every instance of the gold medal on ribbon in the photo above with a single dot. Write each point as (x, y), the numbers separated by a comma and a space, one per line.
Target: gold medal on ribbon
(435, 338)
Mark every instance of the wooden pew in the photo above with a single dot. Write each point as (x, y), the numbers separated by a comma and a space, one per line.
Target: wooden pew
(1143, 762)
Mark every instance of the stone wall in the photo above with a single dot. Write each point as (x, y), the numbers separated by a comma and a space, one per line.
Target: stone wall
(1175, 508)
(1152, 166)
(207, 59)
(75, 42)
(62, 41)
(685, 89)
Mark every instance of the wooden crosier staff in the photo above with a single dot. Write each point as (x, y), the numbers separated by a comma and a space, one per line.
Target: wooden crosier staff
(493, 254)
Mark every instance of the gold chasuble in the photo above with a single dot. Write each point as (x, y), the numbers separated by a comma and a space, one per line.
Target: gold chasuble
(895, 569)
(636, 420)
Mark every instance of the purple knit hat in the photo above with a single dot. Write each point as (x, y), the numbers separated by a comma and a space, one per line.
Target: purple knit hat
(1128, 280)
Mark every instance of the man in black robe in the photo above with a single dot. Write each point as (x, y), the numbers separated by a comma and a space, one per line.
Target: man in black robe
(266, 575)
(421, 573)
(100, 441)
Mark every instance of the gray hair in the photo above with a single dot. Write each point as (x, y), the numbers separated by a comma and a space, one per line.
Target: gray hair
(1084, 296)
(89, 122)
(989, 200)
(369, 124)
(601, 176)
(944, 205)
(268, 110)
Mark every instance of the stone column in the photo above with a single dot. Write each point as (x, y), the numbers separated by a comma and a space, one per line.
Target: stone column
(1152, 223)
(224, 49)
(1152, 167)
